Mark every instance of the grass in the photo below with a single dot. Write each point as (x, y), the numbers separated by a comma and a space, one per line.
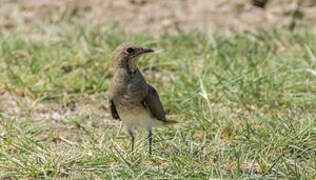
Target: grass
(246, 106)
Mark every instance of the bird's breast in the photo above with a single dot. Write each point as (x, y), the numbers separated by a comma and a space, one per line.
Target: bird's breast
(130, 89)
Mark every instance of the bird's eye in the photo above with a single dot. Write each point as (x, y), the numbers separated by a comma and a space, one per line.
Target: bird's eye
(130, 50)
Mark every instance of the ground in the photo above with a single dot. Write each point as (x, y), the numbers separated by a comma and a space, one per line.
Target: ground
(243, 91)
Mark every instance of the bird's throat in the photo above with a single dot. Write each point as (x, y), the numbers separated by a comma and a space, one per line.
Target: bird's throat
(132, 65)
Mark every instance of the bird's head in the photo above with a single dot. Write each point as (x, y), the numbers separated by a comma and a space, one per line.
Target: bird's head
(126, 56)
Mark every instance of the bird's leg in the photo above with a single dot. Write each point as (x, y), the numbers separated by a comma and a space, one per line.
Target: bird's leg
(132, 138)
(150, 139)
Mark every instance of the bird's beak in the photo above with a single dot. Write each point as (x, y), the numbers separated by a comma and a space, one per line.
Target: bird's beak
(147, 50)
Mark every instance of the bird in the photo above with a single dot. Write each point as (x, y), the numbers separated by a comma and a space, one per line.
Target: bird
(131, 99)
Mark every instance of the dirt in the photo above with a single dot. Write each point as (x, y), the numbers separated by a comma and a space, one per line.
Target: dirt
(155, 16)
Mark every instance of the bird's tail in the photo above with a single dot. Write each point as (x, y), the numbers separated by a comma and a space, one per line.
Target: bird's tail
(171, 122)
(165, 123)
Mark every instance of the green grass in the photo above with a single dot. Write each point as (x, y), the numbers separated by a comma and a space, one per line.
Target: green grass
(246, 106)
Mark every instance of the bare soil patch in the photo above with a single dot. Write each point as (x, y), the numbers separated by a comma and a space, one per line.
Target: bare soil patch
(156, 17)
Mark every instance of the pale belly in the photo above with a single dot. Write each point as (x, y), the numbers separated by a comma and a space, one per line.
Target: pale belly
(136, 117)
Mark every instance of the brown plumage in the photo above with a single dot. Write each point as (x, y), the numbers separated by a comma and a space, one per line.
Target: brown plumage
(132, 100)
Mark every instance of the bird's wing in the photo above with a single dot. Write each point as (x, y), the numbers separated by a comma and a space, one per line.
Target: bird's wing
(113, 110)
(152, 102)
